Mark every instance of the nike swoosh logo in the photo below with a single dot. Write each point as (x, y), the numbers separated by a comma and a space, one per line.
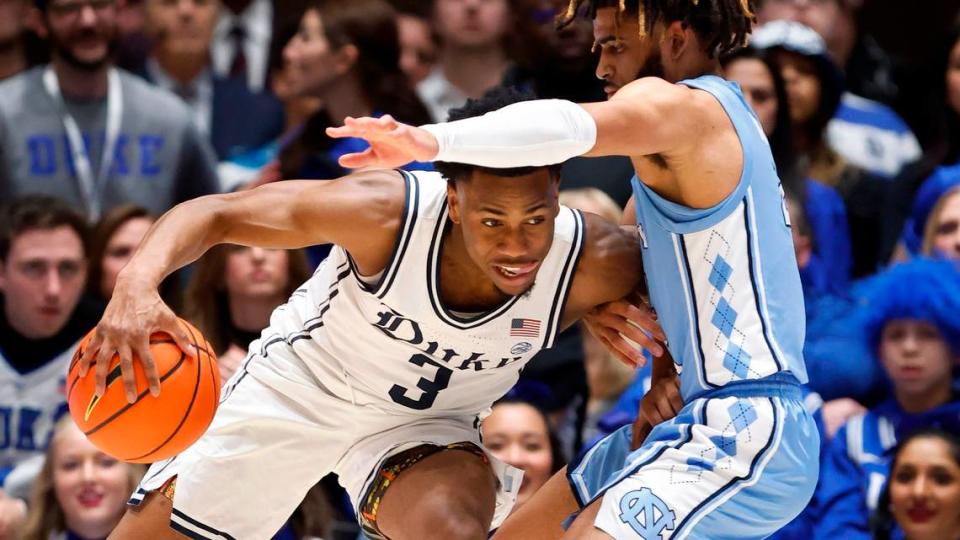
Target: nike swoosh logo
(114, 374)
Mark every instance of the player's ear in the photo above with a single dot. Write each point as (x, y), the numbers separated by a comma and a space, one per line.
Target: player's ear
(453, 204)
(677, 38)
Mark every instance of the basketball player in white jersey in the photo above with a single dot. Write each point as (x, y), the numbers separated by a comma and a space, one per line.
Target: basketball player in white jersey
(741, 459)
(432, 301)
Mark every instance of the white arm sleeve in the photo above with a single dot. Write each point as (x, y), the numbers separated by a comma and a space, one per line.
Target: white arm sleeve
(530, 133)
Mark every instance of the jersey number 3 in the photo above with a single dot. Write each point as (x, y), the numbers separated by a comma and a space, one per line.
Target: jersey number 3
(430, 387)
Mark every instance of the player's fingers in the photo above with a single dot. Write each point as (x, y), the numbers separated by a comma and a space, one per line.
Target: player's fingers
(88, 355)
(357, 160)
(142, 350)
(388, 122)
(364, 125)
(676, 400)
(626, 359)
(341, 132)
(642, 316)
(664, 409)
(634, 357)
(127, 372)
(103, 358)
(181, 336)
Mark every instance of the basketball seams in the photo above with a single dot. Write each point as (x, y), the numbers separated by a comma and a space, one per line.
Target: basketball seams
(183, 419)
(142, 395)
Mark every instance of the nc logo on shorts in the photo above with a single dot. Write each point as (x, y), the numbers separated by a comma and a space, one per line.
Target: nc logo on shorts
(646, 514)
(521, 348)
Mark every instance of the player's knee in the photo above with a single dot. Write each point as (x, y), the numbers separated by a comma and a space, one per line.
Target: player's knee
(460, 524)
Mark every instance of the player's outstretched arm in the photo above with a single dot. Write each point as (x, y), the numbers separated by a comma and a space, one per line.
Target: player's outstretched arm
(647, 116)
(360, 212)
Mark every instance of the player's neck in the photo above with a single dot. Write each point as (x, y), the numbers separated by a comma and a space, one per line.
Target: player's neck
(463, 285)
(693, 67)
(79, 83)
(253, 313)
(473, 70)
(346, 98)
(12, 60)
(181, 68)
(924, 401)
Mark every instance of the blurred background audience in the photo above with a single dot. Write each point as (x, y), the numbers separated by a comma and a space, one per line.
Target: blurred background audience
(112, 112)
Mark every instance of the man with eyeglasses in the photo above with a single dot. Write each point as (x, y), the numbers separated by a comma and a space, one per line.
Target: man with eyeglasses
(85, 131)
(43, 270)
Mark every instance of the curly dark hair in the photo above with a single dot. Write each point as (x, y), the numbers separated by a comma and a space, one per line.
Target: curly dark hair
(723, 25)
(495, 98)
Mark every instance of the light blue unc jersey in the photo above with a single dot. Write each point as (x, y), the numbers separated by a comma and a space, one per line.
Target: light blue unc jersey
(739, 461)
(724, 280)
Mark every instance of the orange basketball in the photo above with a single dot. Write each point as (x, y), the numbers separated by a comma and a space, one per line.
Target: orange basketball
(152, 428)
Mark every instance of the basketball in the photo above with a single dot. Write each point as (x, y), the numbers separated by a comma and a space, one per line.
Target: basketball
(151, 428)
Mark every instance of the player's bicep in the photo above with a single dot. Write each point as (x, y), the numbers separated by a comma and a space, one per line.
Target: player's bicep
(609, 269)
(648, 116)
(350, 212)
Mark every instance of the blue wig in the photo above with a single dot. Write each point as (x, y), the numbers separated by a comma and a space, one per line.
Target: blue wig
(922, 289)
(940, 182)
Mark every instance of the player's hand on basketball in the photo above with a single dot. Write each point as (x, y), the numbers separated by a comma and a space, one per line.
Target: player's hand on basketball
(134, 313)
(392, 144)
(614, 321)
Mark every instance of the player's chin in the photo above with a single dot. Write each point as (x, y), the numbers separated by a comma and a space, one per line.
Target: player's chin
(513, 285)
(514, 289)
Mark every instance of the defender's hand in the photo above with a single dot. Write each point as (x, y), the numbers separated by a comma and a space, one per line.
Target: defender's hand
(614, 321)
(662, 402)
(134, 313)
(392, 144)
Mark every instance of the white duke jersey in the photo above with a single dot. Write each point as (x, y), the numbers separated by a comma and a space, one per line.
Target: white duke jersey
(391, 344)
(30, 404)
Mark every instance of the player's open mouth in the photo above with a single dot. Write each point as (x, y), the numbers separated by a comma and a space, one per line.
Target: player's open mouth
(513, 272)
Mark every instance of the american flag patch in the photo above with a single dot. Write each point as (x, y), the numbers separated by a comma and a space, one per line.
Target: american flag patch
(524, 328)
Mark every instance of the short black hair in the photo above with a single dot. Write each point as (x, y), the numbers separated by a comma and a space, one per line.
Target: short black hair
(43, 212)
(722, 25)
(496, 98)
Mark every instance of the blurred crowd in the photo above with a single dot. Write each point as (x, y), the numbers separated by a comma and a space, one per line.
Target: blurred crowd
(113, 111)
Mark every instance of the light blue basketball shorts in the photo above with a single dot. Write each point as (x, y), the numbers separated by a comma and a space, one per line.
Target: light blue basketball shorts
(739, 462)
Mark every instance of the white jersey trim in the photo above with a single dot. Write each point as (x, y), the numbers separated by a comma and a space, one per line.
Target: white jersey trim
(408, 218)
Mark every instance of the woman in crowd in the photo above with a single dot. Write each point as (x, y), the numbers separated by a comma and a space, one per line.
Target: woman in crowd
(81, 493)
(910, 319)
(759, 76)
(114, 239)
(942, 233)
(347, 54)
(517, 433)
(233, 291)
(922, 499)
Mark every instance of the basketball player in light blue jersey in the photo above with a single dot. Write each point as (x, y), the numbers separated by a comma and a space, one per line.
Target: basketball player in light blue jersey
(741, 458)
